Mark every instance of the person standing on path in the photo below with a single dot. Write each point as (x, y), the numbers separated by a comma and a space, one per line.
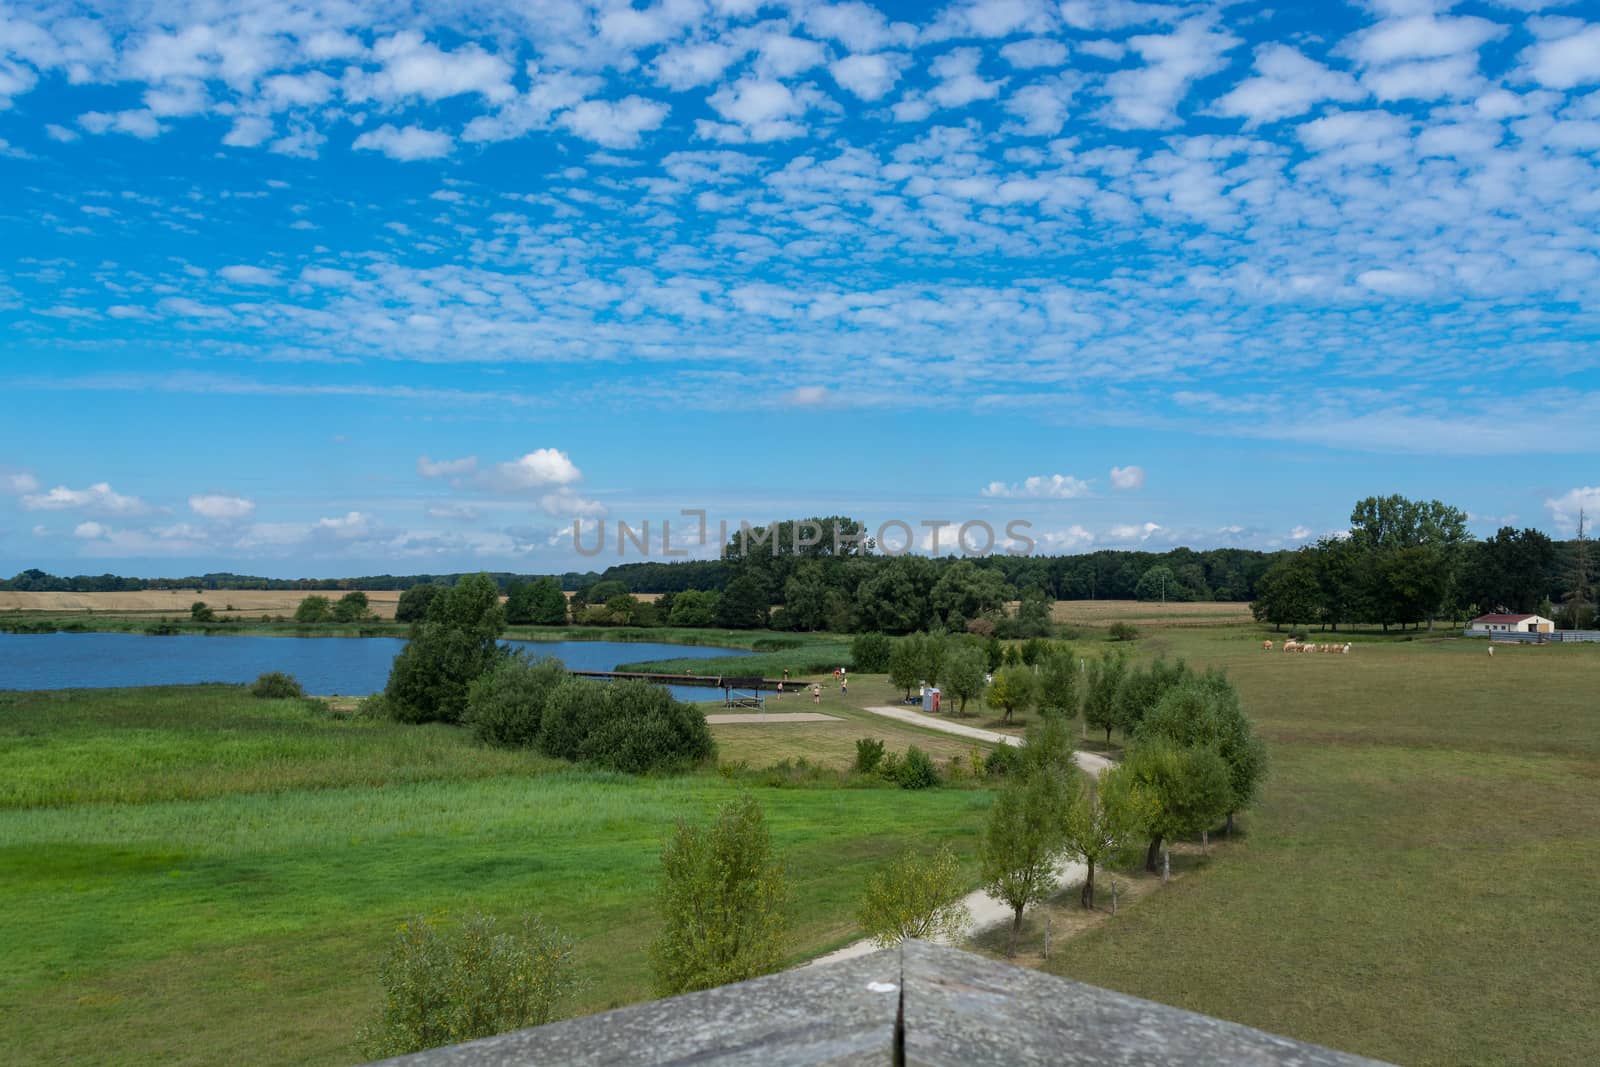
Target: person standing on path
(816, 694)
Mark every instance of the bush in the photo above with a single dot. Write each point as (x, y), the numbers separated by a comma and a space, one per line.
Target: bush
(775, 644)
(1003, 761)
(869, 653)
(199, 611)
(275, 685)
(449, 982)
(916, 896)
(449, 650)
(889, 767)
(869, 753)
(313, 609)
(504, 707)
(1124, 631)
(632, 726)
(352, 607)
(917, 771)
(723, 899)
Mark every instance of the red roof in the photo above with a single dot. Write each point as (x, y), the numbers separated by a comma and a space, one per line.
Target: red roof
(1504, 618)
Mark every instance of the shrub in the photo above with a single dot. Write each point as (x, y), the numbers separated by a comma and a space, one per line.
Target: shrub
(352, 607)
(889, 767)
(632, 726)
(917, 771)
(504, 707)
(200, 611)
(1124, 631)
(447, 652)
(1003, 761)
(869, 753)
(449, 982)
(723, 900)
(313, 609)
(774, 644)
(869, 653)
(275, 685)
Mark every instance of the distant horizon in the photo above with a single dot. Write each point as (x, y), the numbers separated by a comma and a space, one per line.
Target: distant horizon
(366, 289)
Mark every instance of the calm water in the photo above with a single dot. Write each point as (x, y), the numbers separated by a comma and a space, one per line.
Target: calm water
(351, 666)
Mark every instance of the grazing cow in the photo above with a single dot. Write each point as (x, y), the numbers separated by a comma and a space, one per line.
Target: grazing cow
(1291, 645)
(1346, 649)
(1266, 646)
(1491, 651)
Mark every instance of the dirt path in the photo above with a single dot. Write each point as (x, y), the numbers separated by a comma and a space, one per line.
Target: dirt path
(1087, 760)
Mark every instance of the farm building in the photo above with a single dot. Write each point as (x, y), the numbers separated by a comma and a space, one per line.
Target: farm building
(1510, 624)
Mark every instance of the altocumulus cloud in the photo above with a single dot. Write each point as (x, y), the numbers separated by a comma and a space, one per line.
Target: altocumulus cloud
(221, 506)
(1054, 487)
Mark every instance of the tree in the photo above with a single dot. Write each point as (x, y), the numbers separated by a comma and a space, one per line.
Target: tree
(963, 676)
(694, 607)
(1187, 788)
(1033, 614)
(1100, 707)
(967, 591)
(722, 899)
(1014, 689)
(806, 597)
(1511, 571)
(414, 602)
(869, 653)
(1288, 593)
(200, 611)
(1143, 688)
(313, 609)
(916, 896)
(1578, 597)
(905, 665)
(743, 605)
(1058, 683)
(352, 607)
(1020, 843)
(1205, 712)
(1100, 821)
(447, 651)
(1158, 583)
(893, 598)
(539, 602)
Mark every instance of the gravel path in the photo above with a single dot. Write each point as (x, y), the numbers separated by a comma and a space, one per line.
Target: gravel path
(1087, 760)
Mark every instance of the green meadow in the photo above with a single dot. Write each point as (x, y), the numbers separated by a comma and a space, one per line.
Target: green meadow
(193, 876)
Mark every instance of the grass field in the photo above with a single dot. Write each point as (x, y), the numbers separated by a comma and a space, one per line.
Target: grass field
(192, 876)
(1419, 881)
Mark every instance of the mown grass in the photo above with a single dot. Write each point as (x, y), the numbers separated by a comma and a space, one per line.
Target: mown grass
(1418, 881)
(237, 911)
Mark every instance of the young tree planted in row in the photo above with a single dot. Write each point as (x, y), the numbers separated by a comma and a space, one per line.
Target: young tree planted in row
(1021, 842)
(1013, 690)
(1100, 693)
(916, 896)
(1101, 821)
(964, 676)
(1187, 788)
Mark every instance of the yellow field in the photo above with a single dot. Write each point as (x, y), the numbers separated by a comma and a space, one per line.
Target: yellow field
(174, 602)
(1149, 614)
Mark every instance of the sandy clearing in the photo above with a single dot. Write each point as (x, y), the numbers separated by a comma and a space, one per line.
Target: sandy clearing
(776, 716)
(176, 602)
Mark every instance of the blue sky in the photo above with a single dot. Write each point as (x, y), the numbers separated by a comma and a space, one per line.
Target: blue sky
(352, 287)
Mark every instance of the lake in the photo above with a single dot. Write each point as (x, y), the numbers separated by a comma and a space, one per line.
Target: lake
(350, 666)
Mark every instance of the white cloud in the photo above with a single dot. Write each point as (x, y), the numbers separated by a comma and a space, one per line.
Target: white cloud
(243, 274)
(140, 123)
(1300, 533)
(538, 469)
(1035, 52)
(1287, 84)
(1055, 486)
(568, 504)
(350, 526)
(410, 143)
(415, 67)
(1564, 509)
(1147, 97)
(1129, 477)
(1128, 533)
(90, 530)
(615, 124)
(959, 81)
(99, 497)
(248, 131)
(1071, 539)
(221, 506)
(446, 468)
(459, 513)
(808, 395)
(868, 76)
(762, 110)
(1568, 61)
(18, 482)
(693, 65)
(1422, 37)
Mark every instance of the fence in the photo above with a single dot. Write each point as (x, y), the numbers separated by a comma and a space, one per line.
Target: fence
(1540, 639)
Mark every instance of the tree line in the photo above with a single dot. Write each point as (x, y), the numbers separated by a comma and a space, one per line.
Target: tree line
(1409, 562)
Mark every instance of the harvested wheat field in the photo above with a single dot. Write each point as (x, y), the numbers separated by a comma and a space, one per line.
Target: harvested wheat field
(1149, 613)
(175, 602)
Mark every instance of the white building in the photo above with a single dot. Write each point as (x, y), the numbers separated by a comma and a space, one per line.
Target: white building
(1510, 624)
